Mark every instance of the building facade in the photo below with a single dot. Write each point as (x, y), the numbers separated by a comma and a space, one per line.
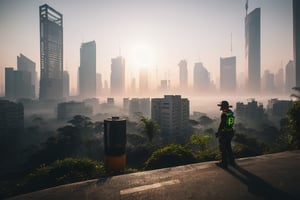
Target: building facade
(183, 74)
(66, 84)
(117, 77)
(27, 65)
(296, 28)
(172, 115)
(143, 81)
(228, 74)
(11, 117)
(87, 70)
(253, 50)
(51, 53)
(290, 78)
(67, 110)
(251, 113)
(139, 107)
(268, 83)
(201, 78)
(18, 84)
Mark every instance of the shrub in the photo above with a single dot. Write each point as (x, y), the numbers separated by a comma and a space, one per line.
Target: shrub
(169, 156)
(63, 171)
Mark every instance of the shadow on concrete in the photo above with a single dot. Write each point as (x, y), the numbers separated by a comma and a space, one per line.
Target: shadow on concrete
(103, 180)
(257, 186)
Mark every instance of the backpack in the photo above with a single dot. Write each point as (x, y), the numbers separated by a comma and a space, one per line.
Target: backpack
(229, 119)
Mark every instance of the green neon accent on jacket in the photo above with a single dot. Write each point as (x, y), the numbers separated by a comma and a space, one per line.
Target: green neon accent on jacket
(229, 119)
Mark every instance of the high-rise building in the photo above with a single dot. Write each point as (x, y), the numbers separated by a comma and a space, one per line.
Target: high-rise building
(290, 78)
(139, 107)
(66, 84)
(87, 70)
(51, 53)
(133, 85)
(25, 64)
(183, 74)
(2, 80)
(172, 114)
(296, 27)
(165, 85)
(268, 85)
(143, 81)
(251, 113)
(67, 110)
(201, 78)
(279, 81)
(18, 84)
(99, 86)
(228, 74)
(11, 117)
(117, 76)
(252, 50)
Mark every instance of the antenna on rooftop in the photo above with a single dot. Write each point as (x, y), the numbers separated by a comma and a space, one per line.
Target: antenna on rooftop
(231, 44)
(246, 7)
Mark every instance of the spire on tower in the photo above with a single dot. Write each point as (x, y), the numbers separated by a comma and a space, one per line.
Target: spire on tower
(231, 44)
(246, 6)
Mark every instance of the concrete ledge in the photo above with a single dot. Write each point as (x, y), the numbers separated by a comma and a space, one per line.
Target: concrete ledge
(271, 176)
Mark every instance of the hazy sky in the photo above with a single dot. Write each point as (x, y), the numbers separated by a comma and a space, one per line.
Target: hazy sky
(154, 33)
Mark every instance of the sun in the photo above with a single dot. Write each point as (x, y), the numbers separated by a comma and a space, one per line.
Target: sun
(142, 55)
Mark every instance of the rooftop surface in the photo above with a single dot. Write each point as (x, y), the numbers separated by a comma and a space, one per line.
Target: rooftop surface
(271, 176)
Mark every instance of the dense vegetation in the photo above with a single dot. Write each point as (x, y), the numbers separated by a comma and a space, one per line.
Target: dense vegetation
(43, 157)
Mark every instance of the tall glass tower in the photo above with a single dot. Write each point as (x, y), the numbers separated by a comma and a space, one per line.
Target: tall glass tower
(117, 76)
(296, 28)
(87, 70)
(51, 53)
(252, 50)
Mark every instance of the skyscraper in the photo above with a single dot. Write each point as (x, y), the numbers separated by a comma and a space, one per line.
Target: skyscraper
(66, 84)
(290, 78)
(11, 117)
(143, 81)
(2, 79)
(99, 85)
(228, 74)
(87, 70)
(268, 85)
(51, 53)
(183, 74)
(279, 81)
(201, 78)
(18, 84)
(296, 27)
(117, 77)
(25, 64)
(252, 50)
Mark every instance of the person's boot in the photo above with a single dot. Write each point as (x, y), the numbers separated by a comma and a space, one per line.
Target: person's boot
(222, 165)
(232, 163)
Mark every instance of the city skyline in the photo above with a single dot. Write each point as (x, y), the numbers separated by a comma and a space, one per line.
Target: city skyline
(120, 30)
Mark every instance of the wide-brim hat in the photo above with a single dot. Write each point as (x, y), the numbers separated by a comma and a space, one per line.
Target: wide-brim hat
(224, 104)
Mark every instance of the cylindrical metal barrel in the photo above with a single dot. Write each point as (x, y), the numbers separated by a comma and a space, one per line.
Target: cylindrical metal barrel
(115, 144)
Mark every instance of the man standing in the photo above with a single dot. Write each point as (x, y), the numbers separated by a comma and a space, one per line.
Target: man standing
(225, 134)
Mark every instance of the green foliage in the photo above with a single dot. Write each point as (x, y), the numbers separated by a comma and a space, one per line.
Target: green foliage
(282, 143)
(208, 155)
(168, 156)
(78, 138)
(205, 121)
(201, 141)
(247, 146)
(294, 124)
(150, 128)
(63, 171)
